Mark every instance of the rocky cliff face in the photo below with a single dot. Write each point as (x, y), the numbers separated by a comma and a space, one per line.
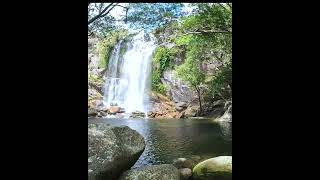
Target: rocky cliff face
(177, 89)
(95, 82)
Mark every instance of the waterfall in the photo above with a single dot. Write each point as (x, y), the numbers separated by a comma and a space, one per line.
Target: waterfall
(127, 82)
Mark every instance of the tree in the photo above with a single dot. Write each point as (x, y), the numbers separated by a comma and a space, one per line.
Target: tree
(190, 72)
(209, 31)
(206, 36)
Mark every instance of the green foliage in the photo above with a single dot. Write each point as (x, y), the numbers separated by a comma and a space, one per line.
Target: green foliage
(190, 71)
(106, 45)
(221, 83)
(207, 37)
(162, 88)
(164, 57)
(162, 60)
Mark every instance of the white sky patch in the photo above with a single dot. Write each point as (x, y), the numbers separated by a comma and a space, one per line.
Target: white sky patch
(188, 8)
(119, 12)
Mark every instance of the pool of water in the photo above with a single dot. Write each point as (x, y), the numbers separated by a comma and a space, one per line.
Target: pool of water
(169, 139)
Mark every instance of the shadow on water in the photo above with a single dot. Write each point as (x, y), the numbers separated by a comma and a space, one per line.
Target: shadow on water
(168, 139)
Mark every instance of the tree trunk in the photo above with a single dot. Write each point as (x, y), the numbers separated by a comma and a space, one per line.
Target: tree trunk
(199, 98)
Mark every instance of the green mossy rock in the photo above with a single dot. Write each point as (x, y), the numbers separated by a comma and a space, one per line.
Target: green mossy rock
(218, 168)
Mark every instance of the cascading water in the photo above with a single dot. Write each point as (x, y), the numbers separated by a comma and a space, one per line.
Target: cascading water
(127, 78)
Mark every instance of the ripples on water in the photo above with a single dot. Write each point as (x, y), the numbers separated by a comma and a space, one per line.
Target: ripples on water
(173, 138)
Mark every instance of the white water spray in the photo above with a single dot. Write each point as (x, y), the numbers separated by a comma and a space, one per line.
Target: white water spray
(127, 78)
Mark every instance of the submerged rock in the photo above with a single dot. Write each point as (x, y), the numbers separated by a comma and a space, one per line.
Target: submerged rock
(112, 150)
(218, 168)
(189, 162)
(153, 172)
(185, 173)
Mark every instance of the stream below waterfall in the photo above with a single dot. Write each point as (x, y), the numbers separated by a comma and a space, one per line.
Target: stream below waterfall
(168, 139)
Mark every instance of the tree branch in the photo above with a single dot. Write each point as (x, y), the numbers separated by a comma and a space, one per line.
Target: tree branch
(109, 10)
(122, 6)
(101, 13)
(100, 7)
(230, 6)
(223, 6)
(126, 15)
(205, 32)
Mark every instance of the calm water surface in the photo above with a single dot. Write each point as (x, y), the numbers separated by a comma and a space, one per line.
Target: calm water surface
(169, 139)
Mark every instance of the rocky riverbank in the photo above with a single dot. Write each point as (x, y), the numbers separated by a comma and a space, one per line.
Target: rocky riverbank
(163, 108)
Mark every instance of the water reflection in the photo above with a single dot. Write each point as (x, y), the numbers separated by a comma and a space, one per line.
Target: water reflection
(226, 130)
(170, 139)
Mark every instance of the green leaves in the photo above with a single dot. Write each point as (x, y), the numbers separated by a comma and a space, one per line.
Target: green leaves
(221, 82)
(207, 38)
(162, 60)
(163, 56)
(183, 40)
(190, 71)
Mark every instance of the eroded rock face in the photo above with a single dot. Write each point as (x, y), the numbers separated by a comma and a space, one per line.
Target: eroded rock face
(178, 90)
(112, 150)
(153, 172)
(218, 168)
(180, 106)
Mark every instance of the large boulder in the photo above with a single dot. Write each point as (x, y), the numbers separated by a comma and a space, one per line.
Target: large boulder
(191, 111)
(114, 109)
(112, 150)
(218, 168)
(92, 112)
(153, 172)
